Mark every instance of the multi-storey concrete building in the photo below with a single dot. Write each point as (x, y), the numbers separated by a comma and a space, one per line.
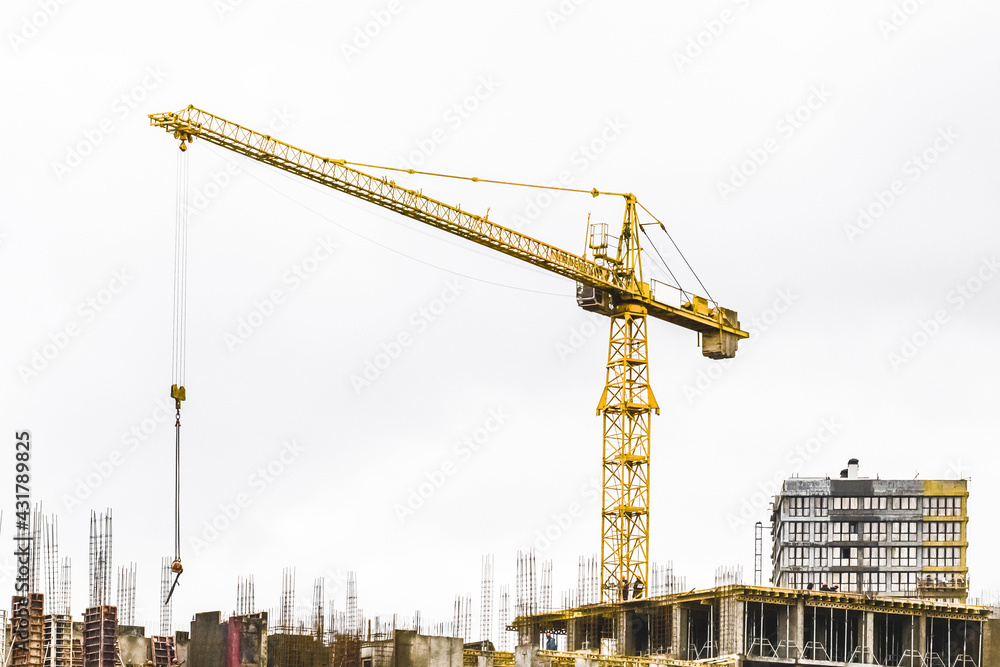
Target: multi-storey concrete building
(902, 538)
(755, 626)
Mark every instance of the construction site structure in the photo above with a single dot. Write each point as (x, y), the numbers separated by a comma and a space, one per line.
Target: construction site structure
(610, 282)
(27, 613)
(751, 626)
(100, 634)
(59, 640)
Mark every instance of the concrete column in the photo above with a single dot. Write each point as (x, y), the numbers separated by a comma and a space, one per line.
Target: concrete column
(868, 619)
(571, 635)
(921, 639)
(675, 631)
(680, 632)
(730, 625)
(525, 655)
(798, 624)
(740, 626)
(529, 634)
(624, 639)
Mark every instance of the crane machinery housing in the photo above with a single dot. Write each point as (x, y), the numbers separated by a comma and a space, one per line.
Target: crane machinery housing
(609, 283)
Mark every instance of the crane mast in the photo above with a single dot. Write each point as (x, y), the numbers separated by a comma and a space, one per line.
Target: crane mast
(610, 284)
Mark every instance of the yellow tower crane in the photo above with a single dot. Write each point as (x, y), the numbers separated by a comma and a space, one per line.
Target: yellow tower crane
(611, 283)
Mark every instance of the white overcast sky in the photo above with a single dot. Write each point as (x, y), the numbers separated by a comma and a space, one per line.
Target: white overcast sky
(757, 130)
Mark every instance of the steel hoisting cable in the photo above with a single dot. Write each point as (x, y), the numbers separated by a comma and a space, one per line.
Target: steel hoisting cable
(177, 390)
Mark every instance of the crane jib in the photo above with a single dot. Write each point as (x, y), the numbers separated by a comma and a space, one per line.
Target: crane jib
(612, 287)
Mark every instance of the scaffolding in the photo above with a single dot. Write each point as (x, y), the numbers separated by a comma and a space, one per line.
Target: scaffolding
(758, 553)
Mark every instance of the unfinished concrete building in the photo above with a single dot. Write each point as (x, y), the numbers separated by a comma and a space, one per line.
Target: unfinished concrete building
(904, 538)
(406, 648)
(753, 625)
(240, 641)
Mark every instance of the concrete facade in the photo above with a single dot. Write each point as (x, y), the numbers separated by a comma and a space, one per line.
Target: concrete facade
(897, 538)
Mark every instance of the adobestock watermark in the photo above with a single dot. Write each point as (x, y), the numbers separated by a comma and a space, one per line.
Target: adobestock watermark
(452, 119)
(223, 8)
(759, 324)
(31, 25)
(898, 17)
(712, 29)
(366, 33)
(335, 580)
(575, 340)
(90, 481)
(264, 308)
(960, 469)
(913, 168)
(562, 11)
(583, 157)
(121, 108)
(101, 471)
(462, 452)
(957, 298)
(258, 482)
(88, 311)
(203, 195)
(559, 523)
(419, 321)
(786, 128)
(755, 505)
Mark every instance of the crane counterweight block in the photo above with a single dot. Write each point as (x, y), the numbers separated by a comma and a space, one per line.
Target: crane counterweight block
(721, 344)
(595, 300)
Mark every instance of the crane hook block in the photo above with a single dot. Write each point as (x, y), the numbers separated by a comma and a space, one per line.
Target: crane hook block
(178, 394)
(176, 566)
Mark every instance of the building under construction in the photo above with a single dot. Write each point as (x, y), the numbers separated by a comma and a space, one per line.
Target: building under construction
(754, 625)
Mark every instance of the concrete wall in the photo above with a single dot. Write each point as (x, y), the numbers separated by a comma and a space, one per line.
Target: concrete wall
(208, 641)
(991, 642)
(133, 645)
(413, 650)
(182, 646)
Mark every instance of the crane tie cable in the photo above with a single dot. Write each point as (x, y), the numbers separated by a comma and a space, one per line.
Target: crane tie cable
(676, 247)
(475, 179)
